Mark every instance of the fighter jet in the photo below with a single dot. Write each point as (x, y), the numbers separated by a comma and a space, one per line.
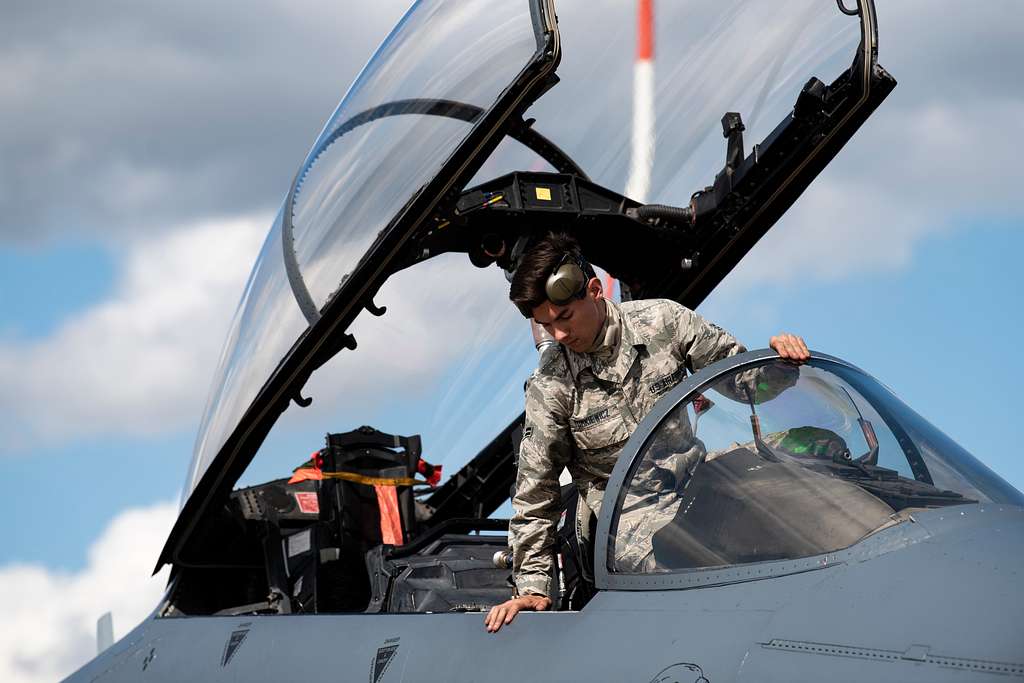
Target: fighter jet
(823, 530)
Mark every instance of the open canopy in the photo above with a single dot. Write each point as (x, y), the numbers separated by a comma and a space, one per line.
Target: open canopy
(440, 108)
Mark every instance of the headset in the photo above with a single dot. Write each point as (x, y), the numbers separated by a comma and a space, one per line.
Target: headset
(568, 280)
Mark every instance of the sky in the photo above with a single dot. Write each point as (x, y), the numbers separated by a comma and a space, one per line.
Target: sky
(146, 149)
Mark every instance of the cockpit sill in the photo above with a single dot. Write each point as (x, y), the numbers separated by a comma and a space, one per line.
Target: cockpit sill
(906, 529)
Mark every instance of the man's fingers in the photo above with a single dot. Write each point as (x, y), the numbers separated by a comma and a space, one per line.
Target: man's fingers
(790, 347)
(500, 615)
(505, 612)
(494, 618)
(798, 349)
(805, 353)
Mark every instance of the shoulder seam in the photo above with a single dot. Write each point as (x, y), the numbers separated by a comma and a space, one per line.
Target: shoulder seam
(645, 304)
(556, 367)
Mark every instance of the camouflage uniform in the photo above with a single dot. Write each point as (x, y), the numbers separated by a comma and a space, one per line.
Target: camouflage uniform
(581, 409)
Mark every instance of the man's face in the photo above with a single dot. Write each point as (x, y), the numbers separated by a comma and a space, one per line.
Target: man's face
(577, 323)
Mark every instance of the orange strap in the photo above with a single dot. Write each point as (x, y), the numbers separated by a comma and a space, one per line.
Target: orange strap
(371, 481)
(312, 473)
(390, 518)
(306, 473)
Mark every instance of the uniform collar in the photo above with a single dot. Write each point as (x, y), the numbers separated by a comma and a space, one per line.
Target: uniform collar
(612, 369)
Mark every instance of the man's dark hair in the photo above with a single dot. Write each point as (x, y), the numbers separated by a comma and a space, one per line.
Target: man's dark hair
(538, 262)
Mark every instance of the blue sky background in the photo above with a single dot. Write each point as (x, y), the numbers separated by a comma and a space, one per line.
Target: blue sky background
(143, 157)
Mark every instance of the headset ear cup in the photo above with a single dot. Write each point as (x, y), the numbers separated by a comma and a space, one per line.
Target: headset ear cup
(565, 284)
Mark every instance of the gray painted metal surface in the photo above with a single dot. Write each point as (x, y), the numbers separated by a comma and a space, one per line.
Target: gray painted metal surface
(104, 632)
(939, 604)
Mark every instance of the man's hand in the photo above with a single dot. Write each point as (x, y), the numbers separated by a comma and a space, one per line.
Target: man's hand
(505, 612)
(790, 347)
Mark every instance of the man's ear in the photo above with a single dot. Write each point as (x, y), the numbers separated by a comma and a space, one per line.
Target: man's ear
(594, 288)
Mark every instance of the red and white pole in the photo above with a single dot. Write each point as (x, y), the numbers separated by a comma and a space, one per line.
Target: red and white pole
(642, 153)
(641, 162)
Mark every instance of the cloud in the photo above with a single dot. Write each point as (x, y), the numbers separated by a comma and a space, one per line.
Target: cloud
(49, 625)
(918, 171)
(140, 362)
(929, 161)
(451, 344)
(120, 115)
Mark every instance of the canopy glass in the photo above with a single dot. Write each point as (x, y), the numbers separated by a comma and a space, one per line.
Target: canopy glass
(350, 186)
(774, 462)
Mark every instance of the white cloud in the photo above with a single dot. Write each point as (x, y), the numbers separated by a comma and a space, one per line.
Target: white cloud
(916, 172)
(125, 114)
(439, 312)
(139, 362)
(49, 625)
(831, 234)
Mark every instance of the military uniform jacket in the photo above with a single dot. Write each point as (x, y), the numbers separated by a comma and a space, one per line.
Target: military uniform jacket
(582, 407)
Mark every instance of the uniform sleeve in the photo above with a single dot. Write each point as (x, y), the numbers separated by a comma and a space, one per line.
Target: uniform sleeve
(702, 342)
(544, 452)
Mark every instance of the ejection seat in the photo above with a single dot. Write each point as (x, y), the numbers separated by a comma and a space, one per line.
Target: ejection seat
(354, 495)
